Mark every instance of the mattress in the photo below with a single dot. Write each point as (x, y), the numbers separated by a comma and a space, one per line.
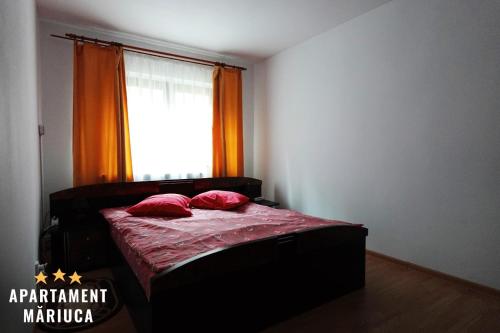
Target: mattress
(153, 244)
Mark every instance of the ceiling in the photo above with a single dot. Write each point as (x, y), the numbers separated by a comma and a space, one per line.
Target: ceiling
(251, 29)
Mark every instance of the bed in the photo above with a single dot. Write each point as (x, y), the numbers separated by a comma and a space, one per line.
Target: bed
(233, 271)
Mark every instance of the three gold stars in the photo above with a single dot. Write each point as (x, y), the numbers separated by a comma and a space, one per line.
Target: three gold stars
(59, 275)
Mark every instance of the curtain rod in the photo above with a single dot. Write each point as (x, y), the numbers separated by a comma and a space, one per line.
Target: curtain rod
(142, 50)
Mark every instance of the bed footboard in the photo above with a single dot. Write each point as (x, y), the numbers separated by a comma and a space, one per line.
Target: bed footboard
(249, 286)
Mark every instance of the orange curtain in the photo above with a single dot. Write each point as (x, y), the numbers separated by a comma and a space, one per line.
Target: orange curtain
(101, 141)
(227, 131)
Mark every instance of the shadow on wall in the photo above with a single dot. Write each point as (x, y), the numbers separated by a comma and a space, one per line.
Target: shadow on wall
(279, 197)
(288, 198)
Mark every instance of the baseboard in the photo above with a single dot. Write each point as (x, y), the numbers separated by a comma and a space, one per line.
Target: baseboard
(465, 283)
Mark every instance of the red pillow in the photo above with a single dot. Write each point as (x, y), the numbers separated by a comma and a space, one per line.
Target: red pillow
(223, 200)
(162, 205)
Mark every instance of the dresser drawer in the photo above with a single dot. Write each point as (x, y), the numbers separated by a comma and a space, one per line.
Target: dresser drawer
(86, 250)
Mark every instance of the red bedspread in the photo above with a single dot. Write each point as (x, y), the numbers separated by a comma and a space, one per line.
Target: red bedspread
(156, 243)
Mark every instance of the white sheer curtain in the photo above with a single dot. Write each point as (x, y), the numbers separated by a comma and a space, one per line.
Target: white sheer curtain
(170, 117)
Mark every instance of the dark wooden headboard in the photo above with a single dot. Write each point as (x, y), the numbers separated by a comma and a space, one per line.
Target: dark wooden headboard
(82, 204)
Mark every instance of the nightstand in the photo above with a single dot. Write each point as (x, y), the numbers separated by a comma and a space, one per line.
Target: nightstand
(265, 202)
(81, 248)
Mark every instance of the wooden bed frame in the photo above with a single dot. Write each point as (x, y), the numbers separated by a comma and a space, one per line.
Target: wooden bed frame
(240, 288)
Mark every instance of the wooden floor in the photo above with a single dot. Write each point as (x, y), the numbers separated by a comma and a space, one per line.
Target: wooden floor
(396, 299)
(400, 299)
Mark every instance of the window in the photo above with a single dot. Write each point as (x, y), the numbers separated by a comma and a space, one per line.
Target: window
(170, 117)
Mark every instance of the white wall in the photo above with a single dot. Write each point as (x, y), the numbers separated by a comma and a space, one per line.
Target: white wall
(393, 120)
(19, 157)
(57, 98)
